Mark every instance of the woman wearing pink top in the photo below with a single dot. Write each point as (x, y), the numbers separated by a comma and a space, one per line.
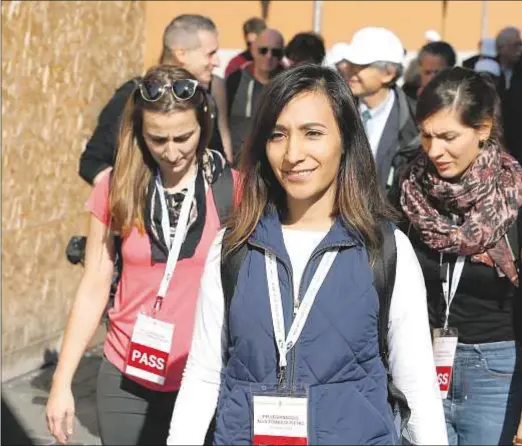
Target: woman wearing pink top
(160, 200)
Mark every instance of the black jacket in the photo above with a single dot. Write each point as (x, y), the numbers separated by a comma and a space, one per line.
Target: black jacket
(399, 145)
(511, 101)
(100, 149)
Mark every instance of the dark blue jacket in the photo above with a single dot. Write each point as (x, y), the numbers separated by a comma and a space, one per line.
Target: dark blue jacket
(336, 357)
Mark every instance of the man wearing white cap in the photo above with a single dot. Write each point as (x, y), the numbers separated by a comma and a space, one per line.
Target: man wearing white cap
(376, 56)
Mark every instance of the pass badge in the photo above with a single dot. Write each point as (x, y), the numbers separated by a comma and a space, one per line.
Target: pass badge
(445, 342)
(280, 420)
(149, 349)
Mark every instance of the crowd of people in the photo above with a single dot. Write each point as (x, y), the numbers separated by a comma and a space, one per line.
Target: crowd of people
(321, 248)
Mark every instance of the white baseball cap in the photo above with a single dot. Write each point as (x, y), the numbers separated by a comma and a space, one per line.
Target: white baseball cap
(336, 54)
(432, 36)
(373, 44)
(488, 66)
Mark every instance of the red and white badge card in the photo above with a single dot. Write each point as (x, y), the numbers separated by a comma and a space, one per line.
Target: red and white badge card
(444, 348)
(149, 349)
(280, 420)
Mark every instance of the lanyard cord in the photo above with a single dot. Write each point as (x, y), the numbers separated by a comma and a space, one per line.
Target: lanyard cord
(449, 293)
(179, 236)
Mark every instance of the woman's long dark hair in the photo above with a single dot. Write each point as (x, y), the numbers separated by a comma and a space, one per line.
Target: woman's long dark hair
(359, 198)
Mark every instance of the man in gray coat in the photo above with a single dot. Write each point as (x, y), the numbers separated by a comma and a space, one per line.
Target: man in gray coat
(376, 63)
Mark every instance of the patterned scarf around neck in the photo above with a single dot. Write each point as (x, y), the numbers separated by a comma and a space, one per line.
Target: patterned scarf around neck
(210, 168)
(486, 200)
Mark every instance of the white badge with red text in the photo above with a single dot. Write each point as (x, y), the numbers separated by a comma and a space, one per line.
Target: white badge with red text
(280, 420)
(149, 349)
(444, 349)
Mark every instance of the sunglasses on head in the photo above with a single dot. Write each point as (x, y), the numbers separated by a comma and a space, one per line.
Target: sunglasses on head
(182, 89)
(276, 52)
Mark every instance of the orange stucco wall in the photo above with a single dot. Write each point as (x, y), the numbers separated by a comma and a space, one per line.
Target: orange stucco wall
(409, 19)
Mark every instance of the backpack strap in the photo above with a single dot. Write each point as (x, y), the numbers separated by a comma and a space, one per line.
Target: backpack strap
(223, 192)
(232, 84)
(230, 266)
(384, 271)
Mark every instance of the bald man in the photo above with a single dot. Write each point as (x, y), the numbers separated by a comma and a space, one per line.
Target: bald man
(244, 86)
(509, 49)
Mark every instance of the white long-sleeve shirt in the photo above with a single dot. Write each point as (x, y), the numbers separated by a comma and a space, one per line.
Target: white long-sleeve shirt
(410, 350)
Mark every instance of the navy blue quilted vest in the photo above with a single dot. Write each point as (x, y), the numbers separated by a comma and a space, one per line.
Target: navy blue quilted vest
(336, 357)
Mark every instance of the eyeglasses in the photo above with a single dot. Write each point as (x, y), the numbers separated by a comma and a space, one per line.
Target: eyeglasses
(182, 89)
(276, 52)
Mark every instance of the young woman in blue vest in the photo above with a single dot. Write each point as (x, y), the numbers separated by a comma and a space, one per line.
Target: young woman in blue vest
(296, 358)
(462, 197)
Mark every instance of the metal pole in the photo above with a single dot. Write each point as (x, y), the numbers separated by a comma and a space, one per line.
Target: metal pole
(317, 17)
(444, 16)
(484, 24)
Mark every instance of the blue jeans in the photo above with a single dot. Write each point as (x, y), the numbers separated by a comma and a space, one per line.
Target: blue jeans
(485, 397)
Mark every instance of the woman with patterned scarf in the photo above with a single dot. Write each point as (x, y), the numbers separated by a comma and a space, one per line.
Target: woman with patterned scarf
(462, 197)
(160, 200)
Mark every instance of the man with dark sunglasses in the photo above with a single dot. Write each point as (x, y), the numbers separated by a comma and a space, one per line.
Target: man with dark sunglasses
(245, 86)
(251, 29)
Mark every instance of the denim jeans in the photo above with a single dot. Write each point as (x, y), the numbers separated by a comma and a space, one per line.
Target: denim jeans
(485, 397)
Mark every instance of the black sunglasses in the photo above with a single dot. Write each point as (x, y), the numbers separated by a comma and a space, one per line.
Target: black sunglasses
(276, 52)
(182, 89)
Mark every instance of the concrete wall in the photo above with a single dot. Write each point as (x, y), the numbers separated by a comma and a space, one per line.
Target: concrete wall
(340, 19)
(61, 61)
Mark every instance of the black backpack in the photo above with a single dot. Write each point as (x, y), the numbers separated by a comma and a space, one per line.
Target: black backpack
(384, 272)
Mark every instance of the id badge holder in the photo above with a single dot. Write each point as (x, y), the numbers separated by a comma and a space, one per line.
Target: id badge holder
(445, 342)
(149, 348)
(280, 417)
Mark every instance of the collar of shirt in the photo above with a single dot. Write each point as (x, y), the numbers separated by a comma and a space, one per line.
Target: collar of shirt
(379, 115)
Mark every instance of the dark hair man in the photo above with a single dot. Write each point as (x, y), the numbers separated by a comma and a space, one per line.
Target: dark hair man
(251, 29)
(305, 48)
(433, 58)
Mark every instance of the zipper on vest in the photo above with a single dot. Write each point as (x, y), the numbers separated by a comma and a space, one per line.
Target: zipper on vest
(297, 303)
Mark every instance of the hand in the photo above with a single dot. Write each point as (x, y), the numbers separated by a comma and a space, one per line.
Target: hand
(518, 437)
(60, 413)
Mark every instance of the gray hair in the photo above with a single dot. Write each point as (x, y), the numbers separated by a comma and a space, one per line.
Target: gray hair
(390, 67)
(183, 31)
